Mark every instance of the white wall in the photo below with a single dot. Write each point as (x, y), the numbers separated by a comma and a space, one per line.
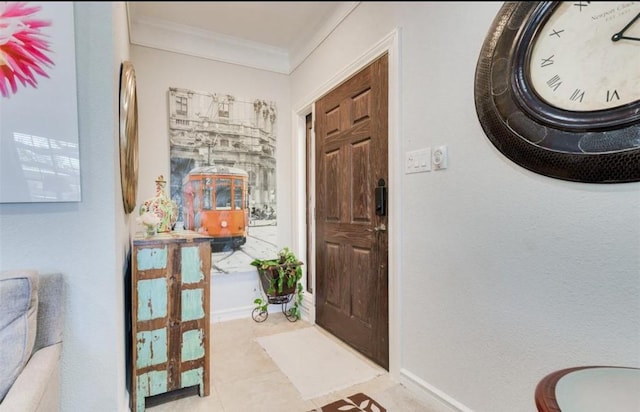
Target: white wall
(156, 72)
(506, 275)
(86, 241)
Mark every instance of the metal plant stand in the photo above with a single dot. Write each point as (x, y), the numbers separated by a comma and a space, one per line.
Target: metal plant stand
(260, 313)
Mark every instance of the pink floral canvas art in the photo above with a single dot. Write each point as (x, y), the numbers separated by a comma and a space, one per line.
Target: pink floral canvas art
(23, 46)
(39, 140)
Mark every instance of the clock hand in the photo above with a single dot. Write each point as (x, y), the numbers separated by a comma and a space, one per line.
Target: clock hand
(625, 38)
(619, 35)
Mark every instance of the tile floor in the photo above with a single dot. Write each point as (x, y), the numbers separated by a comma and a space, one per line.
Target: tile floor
(245, 379)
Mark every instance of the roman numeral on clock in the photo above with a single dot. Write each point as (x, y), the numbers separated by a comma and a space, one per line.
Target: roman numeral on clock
(555, 32)
(554, 82)
(548, 61)
(612, 95)
(581, 4)
(577, 95)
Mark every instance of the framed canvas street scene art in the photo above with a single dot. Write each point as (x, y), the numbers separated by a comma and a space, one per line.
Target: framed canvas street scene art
(223, 173)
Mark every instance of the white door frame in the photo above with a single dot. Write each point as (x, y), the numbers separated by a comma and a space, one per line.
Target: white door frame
(389, 44)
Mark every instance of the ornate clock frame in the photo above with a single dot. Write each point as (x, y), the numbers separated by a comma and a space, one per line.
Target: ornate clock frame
(601, 146)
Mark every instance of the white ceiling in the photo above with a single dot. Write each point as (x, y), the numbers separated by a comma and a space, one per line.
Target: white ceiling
(269, 35)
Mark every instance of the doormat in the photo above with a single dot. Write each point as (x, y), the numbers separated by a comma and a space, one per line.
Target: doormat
(315, 363)
(355, 403)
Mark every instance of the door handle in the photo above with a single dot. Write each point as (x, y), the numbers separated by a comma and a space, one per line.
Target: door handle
(381, 228)
(380, 195)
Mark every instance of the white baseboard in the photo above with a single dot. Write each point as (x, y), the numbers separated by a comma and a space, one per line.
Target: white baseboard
(245, 312)
(308, 309)
(435, 399)
(232, 314)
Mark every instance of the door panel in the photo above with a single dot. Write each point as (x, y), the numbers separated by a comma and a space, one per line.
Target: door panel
(351, 251)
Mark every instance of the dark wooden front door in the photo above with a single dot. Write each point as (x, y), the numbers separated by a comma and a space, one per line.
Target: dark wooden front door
(351, 239)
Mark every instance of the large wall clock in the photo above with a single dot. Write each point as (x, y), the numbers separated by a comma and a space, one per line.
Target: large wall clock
(128, 136)
(557, 88)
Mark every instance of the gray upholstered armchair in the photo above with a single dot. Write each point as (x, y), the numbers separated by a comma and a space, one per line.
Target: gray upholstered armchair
(31, 324)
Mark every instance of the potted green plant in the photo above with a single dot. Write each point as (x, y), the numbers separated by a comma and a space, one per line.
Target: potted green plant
(280, 282)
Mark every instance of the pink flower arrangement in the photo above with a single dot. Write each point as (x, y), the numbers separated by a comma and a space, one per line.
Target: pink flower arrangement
(22, 47)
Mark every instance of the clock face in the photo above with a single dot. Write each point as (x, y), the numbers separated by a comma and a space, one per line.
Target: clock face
(577, 64)
(557, 88)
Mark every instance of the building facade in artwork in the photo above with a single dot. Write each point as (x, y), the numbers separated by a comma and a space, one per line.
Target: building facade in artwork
(207, 129)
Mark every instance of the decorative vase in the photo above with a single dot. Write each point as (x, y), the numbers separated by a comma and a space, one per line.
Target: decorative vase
(162, 206)
(151, 230)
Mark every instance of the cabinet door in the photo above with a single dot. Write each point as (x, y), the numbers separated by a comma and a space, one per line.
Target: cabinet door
(150, 311)
(194, 316)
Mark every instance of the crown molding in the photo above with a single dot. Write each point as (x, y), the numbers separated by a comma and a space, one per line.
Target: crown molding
(177, 38)
(303, 48)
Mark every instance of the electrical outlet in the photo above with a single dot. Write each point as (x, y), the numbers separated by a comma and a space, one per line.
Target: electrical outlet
(439, 158)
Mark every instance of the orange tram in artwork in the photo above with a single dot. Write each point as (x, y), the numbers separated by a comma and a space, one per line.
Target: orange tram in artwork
(216, 203)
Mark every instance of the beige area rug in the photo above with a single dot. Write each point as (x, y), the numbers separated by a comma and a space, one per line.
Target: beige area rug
(315, 363)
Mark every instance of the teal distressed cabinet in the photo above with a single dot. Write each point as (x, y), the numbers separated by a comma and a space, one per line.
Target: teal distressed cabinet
(170, 296)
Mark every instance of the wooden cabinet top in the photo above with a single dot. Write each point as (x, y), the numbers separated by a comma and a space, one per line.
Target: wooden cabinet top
(184, 236)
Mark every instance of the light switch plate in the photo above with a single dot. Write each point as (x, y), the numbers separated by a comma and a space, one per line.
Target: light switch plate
(409, 162)
(418, 161)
